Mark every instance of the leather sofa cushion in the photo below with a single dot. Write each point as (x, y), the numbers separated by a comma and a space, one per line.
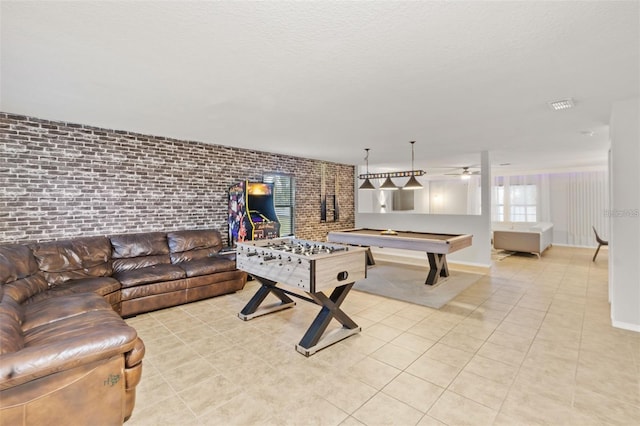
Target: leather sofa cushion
(137, 245)
(73, 259)
(190, 245)
(59, 308)
(165, 287)
(181, 241)
(151, 274)
(16, 262)
(8, 306)
(63, 344)
(131, 263)
(25, 288)
(187, 256)
(11, 316)
(10, 334)
(209, 265)
(98, 285)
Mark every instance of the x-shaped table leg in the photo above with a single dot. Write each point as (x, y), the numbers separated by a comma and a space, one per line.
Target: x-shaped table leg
(437, 267)
(330, 309)
(314, 339)
(251, 308)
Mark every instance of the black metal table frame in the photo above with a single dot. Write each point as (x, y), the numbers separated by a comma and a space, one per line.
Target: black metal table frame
(313, 340)
(437, 266)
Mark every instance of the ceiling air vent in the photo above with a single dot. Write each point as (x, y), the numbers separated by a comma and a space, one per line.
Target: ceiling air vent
(561, 104)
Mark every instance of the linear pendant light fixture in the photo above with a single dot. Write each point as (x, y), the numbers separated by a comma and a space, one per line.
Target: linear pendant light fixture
(388, 183)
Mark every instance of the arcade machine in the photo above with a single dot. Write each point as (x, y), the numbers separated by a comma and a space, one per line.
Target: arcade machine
(252, 213)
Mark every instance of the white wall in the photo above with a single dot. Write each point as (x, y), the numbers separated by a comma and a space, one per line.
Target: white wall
(448, 196)
(624, 242)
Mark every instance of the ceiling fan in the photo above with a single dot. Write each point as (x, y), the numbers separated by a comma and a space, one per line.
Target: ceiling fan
(465, 174)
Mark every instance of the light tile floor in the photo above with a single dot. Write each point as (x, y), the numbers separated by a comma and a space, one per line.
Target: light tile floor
(530, 343)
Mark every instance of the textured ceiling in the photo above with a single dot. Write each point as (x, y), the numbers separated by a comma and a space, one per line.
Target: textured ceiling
(325, 80)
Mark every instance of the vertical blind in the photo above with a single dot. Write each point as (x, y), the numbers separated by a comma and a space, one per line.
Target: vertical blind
(587, 205)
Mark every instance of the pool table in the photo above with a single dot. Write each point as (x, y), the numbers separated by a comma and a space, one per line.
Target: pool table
(437, 246)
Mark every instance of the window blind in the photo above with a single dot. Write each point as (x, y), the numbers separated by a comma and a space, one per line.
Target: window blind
(284, 200)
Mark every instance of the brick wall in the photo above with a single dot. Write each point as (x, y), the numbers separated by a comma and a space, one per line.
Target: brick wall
(63, 180)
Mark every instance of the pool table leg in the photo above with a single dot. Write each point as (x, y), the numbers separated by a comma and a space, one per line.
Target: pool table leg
(370, 259)
(437, 267)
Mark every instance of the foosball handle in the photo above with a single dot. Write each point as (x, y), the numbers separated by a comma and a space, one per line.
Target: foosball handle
(267, 259)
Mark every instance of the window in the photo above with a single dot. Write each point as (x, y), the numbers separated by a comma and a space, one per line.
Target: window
(514, 203)
(284, 200)
(522, 203)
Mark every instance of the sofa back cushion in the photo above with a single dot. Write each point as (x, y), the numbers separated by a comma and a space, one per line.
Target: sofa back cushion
(135, 251)
(11, 317)
(10, 307)
(16, 261)
(192, 245)
(79, 258)
(11, 339)
(20, 277)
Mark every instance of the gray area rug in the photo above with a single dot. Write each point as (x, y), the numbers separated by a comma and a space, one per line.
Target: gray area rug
(406, 283)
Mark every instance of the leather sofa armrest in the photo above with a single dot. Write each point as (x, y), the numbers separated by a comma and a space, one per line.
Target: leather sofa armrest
(53, 348)
(133, 366)
(135, 355)
(132, 375)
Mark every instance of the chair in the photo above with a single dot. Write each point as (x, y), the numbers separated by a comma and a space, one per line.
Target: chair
(600, 241)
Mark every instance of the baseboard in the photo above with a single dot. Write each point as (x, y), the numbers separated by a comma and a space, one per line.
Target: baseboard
(625, 325)
(416, 261)
(475, 268)
(576, 246)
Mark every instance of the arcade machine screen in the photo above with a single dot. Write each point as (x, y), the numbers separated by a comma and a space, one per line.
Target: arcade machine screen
(252, 214)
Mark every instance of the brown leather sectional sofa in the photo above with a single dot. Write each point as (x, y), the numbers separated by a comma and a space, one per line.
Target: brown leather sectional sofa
(66, 354)
(159, 269)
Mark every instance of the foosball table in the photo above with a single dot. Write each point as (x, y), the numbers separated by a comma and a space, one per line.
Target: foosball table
(310, 267)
